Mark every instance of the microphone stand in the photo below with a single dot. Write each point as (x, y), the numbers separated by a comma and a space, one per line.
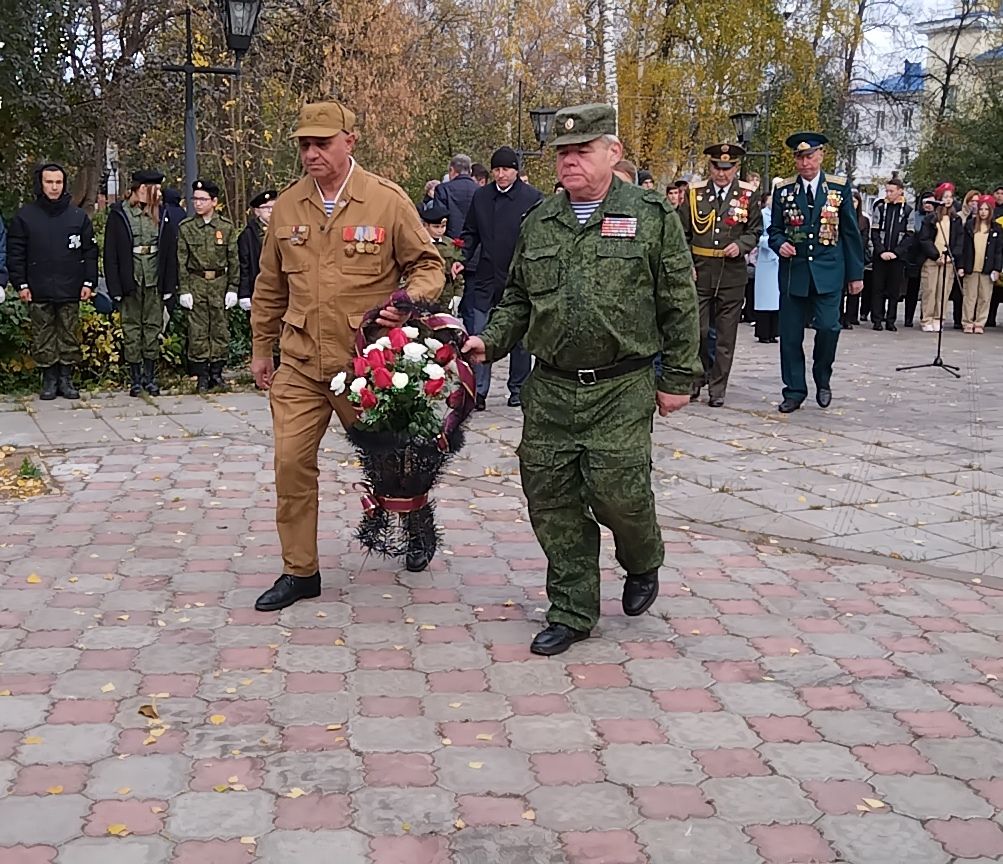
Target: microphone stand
(938, 361)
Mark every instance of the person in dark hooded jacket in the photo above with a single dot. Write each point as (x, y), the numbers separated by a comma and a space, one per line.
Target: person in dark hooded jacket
(53, 262)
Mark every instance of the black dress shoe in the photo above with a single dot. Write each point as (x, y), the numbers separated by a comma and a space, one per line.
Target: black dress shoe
(287, 590)
(846, 325)
(877, 326)
(556, 639)
(417, 559)
(481, 404)
(514, 401)
(694, 394)
(639, 592)
(787, 406)
(716, 402)
(823, 397)
(891, 328)
(907, 323)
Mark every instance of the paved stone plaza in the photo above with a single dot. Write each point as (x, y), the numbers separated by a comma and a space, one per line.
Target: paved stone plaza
(818, 682)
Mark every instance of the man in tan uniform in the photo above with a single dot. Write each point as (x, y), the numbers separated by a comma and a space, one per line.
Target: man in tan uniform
(339, 241)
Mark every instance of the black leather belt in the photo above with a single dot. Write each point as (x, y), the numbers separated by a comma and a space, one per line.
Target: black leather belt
(593, 376)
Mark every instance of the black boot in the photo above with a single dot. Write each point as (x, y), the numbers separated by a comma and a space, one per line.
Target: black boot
(639, 592)
(150, 377)
(287, 590)
(64, 386)
(136, 379)
(556, 639)
(50, 378)
(203, 383)
(216, 375)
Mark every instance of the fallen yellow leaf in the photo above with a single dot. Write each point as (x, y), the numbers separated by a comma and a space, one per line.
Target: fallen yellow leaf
(125, 790)
(108, 688)
(447, 741)
(4, 692)
(118, 830)
(34, 579)
(157, 809)
(485, 737)
(149, 740)
(455, 704)
(233, 779)
(333, 727)
(221, 787)
(55, 790)
(32, 739)
(874, 803)
(529, 815)
(459, 824)
(475, 765)
(794, 651)
(248, 841)
(405, 827)
(295, 792)
(217, 719)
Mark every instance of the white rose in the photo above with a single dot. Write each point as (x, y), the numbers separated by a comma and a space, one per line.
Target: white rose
(358, 385)
(338, 383)
(414, 351)
(434, 371)
(399, 380)
(410, 332)
(383, 342)
(368, 348)
(433, 345)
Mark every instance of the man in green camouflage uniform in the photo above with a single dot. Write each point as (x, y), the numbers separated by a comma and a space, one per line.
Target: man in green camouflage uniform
(600, 284)
(208, 277)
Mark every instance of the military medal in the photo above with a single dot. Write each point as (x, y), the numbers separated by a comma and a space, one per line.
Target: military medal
(619, 226)
(828, 231)
(349, 249)
(219, 238)
(298, 234)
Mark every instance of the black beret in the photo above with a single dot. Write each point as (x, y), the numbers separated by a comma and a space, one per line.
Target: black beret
(263, 198)
(433, 213)
(206, 186)
(147, 175)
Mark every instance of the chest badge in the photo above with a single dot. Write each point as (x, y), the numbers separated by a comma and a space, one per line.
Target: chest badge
(219, 238)
(298, 234)
(619, 226)
(74, 242)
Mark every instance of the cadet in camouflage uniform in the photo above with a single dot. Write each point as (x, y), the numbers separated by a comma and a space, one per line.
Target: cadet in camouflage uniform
(722, 222)
(600, 283)
(208, 276)
(434, 217)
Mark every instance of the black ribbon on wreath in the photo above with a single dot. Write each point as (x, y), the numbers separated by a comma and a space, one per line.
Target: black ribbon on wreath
(398, 516)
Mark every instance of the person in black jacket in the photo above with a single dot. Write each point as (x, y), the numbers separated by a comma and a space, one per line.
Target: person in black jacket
(940, 239)
(489, 236)
(140, 267)
(891, 228)
(249, 244)
(980, 264)
(457, 193)
(3, 261)
(53, 263)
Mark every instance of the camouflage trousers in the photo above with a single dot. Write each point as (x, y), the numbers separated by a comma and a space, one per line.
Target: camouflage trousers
(142, 321)
(55, 333)
(208, 331)
(585, 459)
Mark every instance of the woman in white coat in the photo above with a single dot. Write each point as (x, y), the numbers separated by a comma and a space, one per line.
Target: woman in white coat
(767, 282)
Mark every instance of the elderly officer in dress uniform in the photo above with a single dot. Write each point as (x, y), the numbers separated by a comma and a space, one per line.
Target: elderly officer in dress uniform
(722, 221)
(339, 242)
(208, 277)
(250, 241)
(600, 283)
(814, 231)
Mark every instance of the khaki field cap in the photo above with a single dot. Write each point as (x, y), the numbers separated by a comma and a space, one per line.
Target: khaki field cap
(323, 120)
(580, 124)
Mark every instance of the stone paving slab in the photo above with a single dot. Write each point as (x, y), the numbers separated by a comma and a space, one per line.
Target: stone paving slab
(400, 719)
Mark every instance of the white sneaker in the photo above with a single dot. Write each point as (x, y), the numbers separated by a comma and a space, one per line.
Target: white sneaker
(928, 328)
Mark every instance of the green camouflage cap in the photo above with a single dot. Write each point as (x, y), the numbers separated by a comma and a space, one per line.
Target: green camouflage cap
(580, 124)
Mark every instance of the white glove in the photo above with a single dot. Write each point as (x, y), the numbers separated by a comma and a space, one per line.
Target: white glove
(167, 297)
(230, 300)
(454, 305)
(186, 301)
(3, 294)
(245, 304)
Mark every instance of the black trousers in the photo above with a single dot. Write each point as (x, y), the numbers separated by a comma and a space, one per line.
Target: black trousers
(911, 297)
(886, 289)
(767, 325)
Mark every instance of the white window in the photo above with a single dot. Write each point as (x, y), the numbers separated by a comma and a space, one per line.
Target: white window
(907, 118)
(879, 123)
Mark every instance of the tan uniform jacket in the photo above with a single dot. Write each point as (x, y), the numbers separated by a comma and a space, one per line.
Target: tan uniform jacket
(314, 291)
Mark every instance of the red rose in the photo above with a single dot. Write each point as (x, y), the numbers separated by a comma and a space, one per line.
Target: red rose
(375, 359)
(433, 387)
(367, 398)
(382, 378)
(398, 338)
(458, 242)
(444, 354)
(359, 366)
(389, 356)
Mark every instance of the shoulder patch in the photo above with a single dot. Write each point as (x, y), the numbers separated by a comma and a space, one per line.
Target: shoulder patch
(787, 181)
(838, 179)
(391, 185)
(746, 185)
(700, 184)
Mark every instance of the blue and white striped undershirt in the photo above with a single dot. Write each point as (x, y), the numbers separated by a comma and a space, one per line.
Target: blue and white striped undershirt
(584, 210)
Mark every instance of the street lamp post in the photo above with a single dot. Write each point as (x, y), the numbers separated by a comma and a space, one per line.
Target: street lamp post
(543, 127)
(240, 18)
(745, 127)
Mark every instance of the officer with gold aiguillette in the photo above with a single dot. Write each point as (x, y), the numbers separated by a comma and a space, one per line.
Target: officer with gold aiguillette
(722, 222)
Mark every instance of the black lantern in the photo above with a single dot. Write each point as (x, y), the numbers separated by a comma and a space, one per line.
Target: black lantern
(241, 19)
(543, 123)
(745, 125)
